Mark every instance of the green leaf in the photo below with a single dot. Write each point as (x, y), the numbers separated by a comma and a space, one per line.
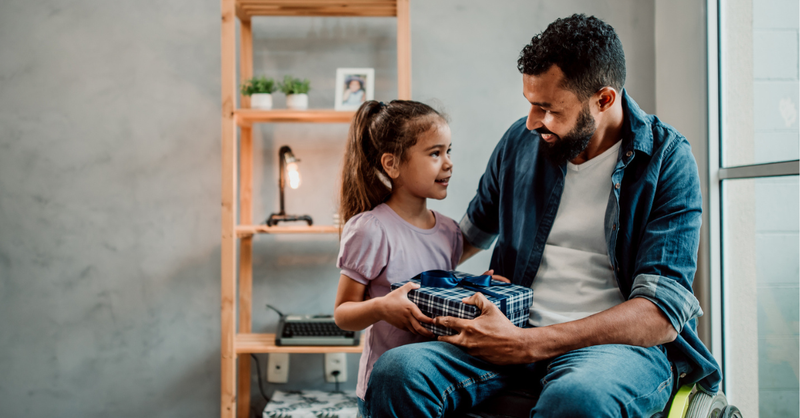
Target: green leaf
(259, 85)
(291, 85)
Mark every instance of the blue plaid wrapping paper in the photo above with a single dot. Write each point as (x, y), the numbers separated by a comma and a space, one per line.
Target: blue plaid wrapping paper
(436, 301)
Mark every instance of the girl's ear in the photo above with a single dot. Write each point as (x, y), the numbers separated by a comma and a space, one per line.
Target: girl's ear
(391, 165)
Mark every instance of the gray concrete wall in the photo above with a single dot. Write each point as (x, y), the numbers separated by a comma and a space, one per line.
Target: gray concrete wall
(110, 180)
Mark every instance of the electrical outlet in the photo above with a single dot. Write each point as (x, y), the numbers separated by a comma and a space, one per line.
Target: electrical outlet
(335, 362)
(278, 368)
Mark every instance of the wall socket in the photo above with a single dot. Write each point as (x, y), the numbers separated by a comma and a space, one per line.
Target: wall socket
(278, 368)
(335, 362)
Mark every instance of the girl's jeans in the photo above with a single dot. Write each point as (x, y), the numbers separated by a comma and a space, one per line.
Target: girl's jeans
(435, 379)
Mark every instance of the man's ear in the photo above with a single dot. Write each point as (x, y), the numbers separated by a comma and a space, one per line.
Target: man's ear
(605, 98)
(391, 165)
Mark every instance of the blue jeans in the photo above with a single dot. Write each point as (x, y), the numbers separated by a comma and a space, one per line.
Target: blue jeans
(436, 379)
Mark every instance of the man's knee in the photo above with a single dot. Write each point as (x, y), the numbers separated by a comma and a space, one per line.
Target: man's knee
(405, 366)
(396, 364)
(571, 396)
(403, 381)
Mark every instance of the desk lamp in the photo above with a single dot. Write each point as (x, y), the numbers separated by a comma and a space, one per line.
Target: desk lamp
(288, 167)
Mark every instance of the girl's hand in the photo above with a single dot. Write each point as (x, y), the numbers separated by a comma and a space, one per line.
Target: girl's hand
(496, 277)
(397, 310)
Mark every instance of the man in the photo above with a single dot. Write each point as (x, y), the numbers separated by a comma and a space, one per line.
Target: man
(596, 206)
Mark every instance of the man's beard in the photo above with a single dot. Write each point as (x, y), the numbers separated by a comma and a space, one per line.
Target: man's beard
(572, 144)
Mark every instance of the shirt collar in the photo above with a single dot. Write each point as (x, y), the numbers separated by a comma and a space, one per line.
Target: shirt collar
(637, 132)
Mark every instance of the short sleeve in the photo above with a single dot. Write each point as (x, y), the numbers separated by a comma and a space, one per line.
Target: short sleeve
(364, 249)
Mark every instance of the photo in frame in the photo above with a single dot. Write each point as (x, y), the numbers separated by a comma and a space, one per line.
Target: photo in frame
(354, 86)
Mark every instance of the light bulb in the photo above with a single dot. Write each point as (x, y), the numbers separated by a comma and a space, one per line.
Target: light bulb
(294, 175)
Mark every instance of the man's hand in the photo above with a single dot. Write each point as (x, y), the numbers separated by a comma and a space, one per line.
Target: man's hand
(396, 309)
(490, 336)
(496, 276)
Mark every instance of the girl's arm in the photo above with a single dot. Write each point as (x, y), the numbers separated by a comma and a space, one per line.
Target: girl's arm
(353, 313)
(469, 251)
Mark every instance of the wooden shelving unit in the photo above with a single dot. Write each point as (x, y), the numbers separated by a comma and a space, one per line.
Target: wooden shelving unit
(238, 230)
(243, 231)
(265, 343)
(247, 117)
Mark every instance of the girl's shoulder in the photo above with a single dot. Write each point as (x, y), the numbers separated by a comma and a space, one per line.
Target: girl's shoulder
(447, 223)
(364, 225)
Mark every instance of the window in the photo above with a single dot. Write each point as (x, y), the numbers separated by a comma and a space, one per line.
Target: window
(754, 67)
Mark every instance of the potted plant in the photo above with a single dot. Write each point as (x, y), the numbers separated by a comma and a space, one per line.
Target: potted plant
(296, 92)
(260, 91)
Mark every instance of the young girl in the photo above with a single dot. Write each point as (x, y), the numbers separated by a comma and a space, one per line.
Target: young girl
(397, 157)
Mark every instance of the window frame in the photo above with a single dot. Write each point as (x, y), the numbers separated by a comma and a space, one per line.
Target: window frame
(717, 174)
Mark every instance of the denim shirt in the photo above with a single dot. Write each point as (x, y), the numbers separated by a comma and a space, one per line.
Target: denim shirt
(652, 223)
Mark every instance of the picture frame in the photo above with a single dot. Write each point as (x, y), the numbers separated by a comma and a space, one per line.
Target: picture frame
(354, 86)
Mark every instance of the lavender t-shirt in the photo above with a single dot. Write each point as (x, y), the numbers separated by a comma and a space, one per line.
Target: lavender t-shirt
(380, 248)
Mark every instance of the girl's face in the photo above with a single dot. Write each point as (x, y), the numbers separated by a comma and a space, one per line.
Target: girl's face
(355, 85)
(427, 169)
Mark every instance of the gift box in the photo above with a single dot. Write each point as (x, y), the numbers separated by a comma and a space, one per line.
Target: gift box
(440, 294)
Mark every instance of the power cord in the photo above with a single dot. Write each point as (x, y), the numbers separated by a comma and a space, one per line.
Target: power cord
(335, 374)
(258, 373)
(276, 310)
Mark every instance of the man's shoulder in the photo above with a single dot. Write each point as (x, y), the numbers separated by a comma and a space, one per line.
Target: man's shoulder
(669, 145)
(652, 135)
(666, 135)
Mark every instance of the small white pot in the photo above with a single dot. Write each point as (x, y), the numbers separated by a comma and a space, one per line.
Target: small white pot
(297, 101)
(261, 101)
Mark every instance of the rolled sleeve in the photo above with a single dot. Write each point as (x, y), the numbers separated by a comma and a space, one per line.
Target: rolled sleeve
(678, 304)
(474, 235)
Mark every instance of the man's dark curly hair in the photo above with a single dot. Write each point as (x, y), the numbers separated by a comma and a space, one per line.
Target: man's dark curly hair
(585, 48)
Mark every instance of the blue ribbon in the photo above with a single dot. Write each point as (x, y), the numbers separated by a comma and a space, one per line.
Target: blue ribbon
(450, 279)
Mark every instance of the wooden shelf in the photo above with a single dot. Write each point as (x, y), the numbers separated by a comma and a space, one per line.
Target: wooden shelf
(265, 343)
(248, 230)
(247, 117)
(246, 9)
(237, 172)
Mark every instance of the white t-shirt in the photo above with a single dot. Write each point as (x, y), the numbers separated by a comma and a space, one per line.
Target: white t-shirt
(575, 278)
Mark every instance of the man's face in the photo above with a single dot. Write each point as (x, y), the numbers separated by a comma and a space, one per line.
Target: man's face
(565, 124)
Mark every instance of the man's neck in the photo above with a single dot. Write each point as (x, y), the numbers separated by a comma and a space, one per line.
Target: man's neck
(606, 135)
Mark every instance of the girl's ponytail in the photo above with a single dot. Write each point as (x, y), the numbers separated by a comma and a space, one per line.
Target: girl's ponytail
(362, 188)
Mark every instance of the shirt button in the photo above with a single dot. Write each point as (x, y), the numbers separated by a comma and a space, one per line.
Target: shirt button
(629, 153)
(617, 269)
(683, 375)
(614, 227)
(616, 186)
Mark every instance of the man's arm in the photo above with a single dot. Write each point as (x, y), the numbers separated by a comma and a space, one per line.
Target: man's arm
(661, 300)
(483, 209)
(492, 337)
